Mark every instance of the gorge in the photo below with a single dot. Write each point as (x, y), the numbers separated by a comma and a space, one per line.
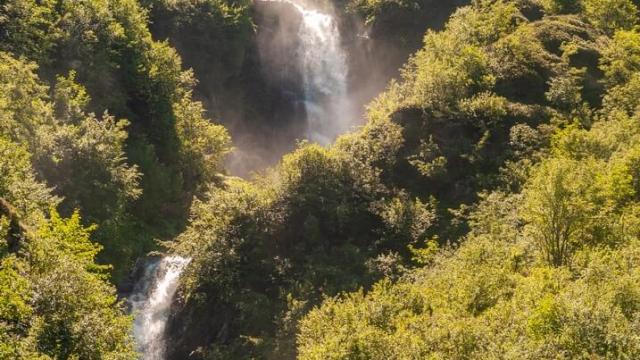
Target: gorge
(320, 57)
(319, 179)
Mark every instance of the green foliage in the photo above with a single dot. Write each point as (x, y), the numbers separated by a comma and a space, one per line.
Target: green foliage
(18, 184)
(542, 273)
(265, 252)
(24, 107)
(475, 109)
(77, 311)
(89, 152)
(99, 56)
(69, 237)
(214, 38)
(70, 99)
(63, 61)
(80, 155)
(489, 298)
(489, 207)
(562, 6)
(556, 208)
(28, 24)
(15, 310)
(438, 77)
(490, 71)
(611, 15)
(565, 91)
(623, 97)
(55, 301)
(372, 9)
(430, 316)
(204, 144)
(621, 57)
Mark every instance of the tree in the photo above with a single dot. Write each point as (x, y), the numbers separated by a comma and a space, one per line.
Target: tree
(562, 6)
(556, 210)
(611, 15)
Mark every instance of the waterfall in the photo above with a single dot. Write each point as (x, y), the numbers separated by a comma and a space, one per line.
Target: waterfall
(151, 303)
(322, 63)
(324, 70)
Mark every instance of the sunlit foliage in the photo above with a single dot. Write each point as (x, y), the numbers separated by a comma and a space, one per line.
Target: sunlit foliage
(488, 208)
(534, 277)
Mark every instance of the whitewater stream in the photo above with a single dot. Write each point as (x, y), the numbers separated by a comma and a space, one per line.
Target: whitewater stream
(151, 303)
(323, 65)
(325, 74)
(309, 44)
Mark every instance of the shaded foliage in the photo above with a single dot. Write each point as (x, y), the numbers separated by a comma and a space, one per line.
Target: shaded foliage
(106, 46)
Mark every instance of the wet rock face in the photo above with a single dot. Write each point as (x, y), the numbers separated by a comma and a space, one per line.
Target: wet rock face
(277, 41)
(192, 328)
(267, 124)
(130, 285)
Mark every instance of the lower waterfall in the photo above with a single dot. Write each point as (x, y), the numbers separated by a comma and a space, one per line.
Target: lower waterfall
(151, 303)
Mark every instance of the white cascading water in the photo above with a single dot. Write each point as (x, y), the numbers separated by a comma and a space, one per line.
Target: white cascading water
(151, 304)
(323, 64)
(324, 70)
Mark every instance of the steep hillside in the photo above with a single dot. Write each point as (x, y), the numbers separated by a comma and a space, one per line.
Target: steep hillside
(487, 206)
(107, 48)
(474, 112)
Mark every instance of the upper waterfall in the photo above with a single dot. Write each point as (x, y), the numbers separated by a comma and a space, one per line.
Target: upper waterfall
(321, 62)
(325, 74)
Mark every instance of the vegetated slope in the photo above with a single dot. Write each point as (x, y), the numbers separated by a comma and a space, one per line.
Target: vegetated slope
(141, 189)
(55, 301)
(97, 120)
(488, 208)
(393, 30)
(549, 268)
(443, 159)
(64, 169)
(256, 93)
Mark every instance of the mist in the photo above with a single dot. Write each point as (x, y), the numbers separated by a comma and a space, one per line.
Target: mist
(304, 70)
(318, 68)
